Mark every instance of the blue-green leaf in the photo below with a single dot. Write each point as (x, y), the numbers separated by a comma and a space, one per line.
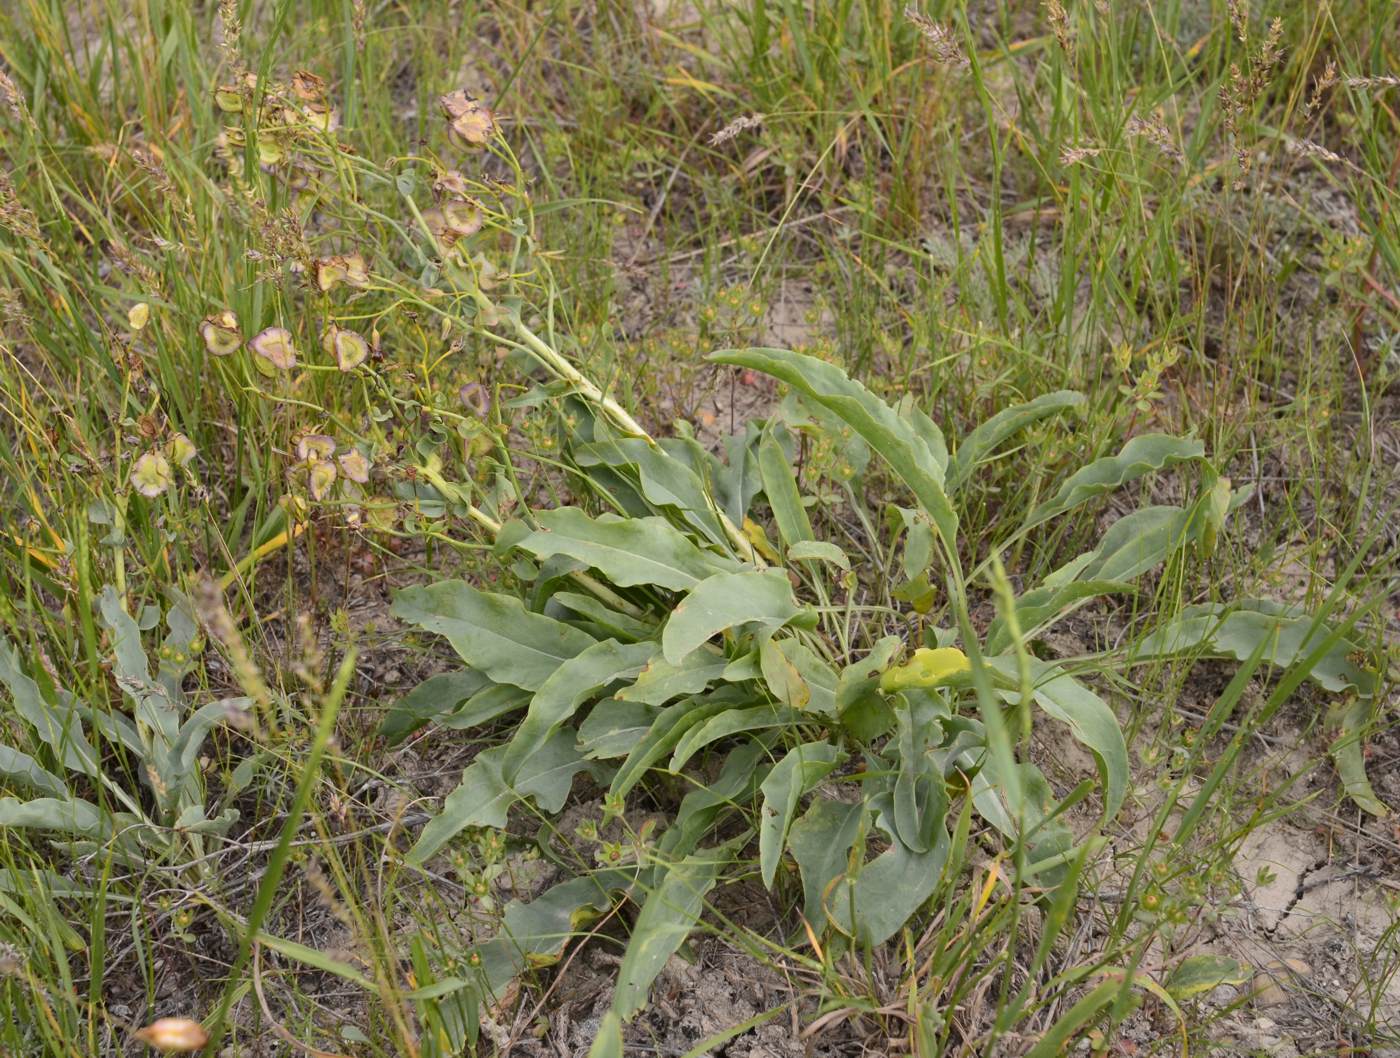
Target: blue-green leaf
(984, 440)
(902, 445)
(763, 601)
(802, 768)
(627, 551)
(492, 633)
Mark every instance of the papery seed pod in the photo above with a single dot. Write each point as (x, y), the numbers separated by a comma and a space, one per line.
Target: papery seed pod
(354, 465)
(173, 1035)
(307, 87)
(452, 183)
(341, 268)
(321, 117)
(470, 122)
(349, 349)
(220, 333)
(181, 450)
(330, 271)
(321, 478)
(228, 98)
(356, 269)
(315, 446)
(138, 315)
(476, 397)
(461, 217)
(151, 475)
(275, 346)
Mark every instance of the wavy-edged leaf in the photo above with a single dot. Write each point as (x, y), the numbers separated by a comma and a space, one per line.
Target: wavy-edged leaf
(492, 633)
(1201, 973)
(664, 480)
(485, 705)
(874, 904)
(662, 681)
(1237, 629)
(818, 551)
(613, 622)
(432, 698)
(70, 815)
(568, 687)
(1348, 754)
(535, 933)
(1092, 724)
(613, 727)
(484, 794)
(984, 440)
(802, 768)
(666, 919)
(727, 724)
(780, 486)
(820, 841)
(902, 445)
(663, 735)
(60, 730)
(20, 770)
(627, 551)
(763, 600)
(1141, 455)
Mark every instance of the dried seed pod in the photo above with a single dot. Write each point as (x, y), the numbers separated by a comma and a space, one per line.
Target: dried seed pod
(349, 348)
(308, 87)
(321, 478)
(354, 465)
(452, 183)
(220, 333)
(314, 447)
(181, 450)
(476, 397)
(275, 346)
(462, 217)
(470, 122)
(341, 268)
(151, 475)
(173, 1035)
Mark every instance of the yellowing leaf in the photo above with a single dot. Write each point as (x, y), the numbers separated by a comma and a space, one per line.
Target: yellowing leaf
(929, 667)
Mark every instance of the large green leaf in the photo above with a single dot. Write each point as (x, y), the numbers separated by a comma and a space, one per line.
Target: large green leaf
(664, 480)
(666, 919)
(802, 768)
(661, 681)
(895, 438)
(492, 633)
(780, 486)
(984, 440)
(874, 903)
(763, 600)
(1090, 721)
(484, 794)
(568, 687)
(613, 727)
(627, 551)
(663, 735)
(1349, 754)
(21, 770)
(1141, 455)
(727, 724)
(432, 698)
(59, 729)
(70, 815)
(1237, 629)
(821, 841)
